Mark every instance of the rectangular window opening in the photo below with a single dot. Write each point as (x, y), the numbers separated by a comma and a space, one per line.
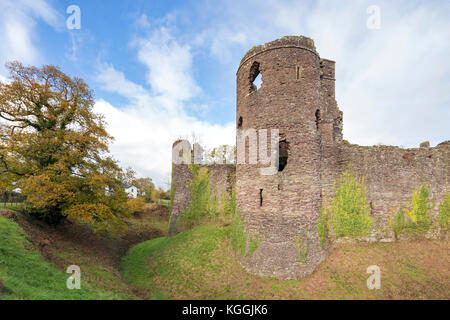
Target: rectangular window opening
(298, 72)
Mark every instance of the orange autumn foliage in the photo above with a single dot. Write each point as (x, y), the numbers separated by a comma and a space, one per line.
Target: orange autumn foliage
(136, 204)
(55, 148)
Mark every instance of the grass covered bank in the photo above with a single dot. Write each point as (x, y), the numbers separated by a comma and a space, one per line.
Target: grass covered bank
(200, 264)
(24, 274)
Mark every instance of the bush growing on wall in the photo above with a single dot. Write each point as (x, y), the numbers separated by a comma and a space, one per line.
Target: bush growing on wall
(302, 246)
(444, 213)
(172, 195)
(240, 236)
(399, 223)
(228, 203)
(415, 221)
(347, 214)
(322, 227)
(204, 207)
(201, 202)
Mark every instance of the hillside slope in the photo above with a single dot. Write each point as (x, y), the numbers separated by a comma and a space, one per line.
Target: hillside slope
(35, 256)
(200, 264)
(24, 274)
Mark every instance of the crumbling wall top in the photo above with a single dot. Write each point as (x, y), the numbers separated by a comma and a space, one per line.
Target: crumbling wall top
(300, 42)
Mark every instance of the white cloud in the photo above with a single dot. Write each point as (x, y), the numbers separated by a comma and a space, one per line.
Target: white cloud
(42, 10)
(155, 117)
(392, 84)
(143, 138)
(169, 65)
(17, 29)
(115, 81)
(142, 21)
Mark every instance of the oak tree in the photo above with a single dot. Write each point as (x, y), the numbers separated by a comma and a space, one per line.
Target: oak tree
(55, 148)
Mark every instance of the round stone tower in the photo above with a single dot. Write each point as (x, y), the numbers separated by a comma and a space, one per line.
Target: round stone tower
(283, 207)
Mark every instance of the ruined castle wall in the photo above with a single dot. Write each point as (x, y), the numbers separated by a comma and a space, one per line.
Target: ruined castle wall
(222, 179)
(329, 122)
(297, 97)
(181, 177)
(392, 173)
(283, 207)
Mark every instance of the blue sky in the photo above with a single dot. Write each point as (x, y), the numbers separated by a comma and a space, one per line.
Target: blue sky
(166, 69)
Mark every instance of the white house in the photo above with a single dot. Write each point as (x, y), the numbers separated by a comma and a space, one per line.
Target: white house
(131, 191)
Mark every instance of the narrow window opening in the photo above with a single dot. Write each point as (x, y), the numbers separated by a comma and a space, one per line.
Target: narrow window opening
(255, 77)
(260, 197)
(257, 82)
(283, 154)
(298, 73)
(318, 119)
(240, 122)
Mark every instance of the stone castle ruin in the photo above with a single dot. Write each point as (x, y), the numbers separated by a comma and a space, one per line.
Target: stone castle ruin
(297, 97)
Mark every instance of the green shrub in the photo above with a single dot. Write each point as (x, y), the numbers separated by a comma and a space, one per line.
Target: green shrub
(399, 222)
(172, 195)
(254, 242)
(228, 203)
(419, 210)
(302, 246)
(347, 214)
(415, 221)
(322, 227)
(444, 213)
(202, 203)
(240, 237)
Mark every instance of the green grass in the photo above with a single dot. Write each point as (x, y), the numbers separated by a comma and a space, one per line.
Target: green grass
(24, 274)
(168, 267)
(164, 202)
(200, 264)
(11, 205)
(99, 277)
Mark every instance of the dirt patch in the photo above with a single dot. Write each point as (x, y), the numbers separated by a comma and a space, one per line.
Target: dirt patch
(154, 210)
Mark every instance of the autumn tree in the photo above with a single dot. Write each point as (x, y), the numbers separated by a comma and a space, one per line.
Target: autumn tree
(55, 148)
(145, 188)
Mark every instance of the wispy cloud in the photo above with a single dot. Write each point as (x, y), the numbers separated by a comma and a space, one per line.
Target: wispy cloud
(155, 116)
(17, 29)
(392, 83)
(168, 65)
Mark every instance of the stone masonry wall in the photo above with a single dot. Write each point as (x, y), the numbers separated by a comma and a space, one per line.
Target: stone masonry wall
(222, 179)
(392, 173)
(297, 97)
(282, 208)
